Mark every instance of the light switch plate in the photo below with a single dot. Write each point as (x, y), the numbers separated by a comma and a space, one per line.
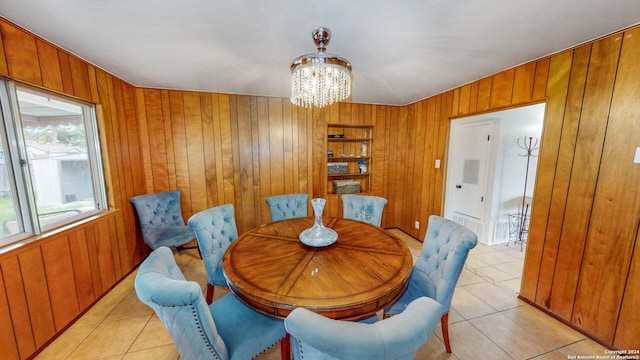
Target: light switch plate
(636, 158)
(438, 162)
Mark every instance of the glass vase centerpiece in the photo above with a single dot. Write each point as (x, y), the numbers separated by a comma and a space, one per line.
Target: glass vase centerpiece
(318, 235)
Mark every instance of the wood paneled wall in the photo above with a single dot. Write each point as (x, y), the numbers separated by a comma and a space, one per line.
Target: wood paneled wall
(46, 284)
(221, 148)
(224, 149)
(580, 263)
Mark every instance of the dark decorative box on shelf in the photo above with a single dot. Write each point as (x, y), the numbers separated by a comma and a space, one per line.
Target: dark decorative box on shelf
(346, 186)
(337, 168)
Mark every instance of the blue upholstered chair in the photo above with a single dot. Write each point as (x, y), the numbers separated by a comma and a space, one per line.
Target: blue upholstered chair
(161, 221)
(226, 329)
(315, 337)
(364, 208)
(436, 272)
(288, 206)
(215, 229)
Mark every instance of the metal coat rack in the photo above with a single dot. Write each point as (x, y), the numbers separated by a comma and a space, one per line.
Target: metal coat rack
(520, 222)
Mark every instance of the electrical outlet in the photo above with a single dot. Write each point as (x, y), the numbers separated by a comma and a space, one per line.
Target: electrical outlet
(417, 225)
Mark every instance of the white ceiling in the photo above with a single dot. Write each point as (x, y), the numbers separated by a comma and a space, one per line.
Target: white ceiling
(401, 51)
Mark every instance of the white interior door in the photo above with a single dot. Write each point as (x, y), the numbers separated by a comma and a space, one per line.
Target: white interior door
(471, 162)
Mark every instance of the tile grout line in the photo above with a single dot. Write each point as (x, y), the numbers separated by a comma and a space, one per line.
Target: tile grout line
(98, 323)
(490, 280)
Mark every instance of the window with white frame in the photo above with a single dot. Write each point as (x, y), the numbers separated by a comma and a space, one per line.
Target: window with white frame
(50, 165)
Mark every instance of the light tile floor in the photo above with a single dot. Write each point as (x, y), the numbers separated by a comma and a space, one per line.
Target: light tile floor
(487, 320)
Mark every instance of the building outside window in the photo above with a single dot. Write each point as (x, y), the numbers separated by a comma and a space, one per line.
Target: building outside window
(50, 164)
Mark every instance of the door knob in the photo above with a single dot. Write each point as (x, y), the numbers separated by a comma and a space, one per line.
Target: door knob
(458, 186)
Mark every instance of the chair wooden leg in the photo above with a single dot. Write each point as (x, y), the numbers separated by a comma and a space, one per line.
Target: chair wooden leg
(209, 296)
(196, 246)
(444, 322)
(285, 348)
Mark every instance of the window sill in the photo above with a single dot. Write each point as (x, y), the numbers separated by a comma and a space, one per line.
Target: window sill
(29, 241)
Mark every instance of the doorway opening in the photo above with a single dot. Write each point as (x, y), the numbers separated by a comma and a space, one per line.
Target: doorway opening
(490, 178)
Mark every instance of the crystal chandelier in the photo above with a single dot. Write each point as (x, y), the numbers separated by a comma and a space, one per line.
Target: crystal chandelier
(320, 79)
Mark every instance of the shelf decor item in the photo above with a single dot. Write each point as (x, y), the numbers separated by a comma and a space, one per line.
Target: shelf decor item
(337, 168)
(346, 186)
(318, 235)
(362, 167)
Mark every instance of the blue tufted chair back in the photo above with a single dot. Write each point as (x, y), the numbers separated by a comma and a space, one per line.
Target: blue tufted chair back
(180, 305)
(215, 229)
(364, 208)
(315, 337)
(444, 252)
(288, 206)
(158, 210)
(161, 220)
(437, 269)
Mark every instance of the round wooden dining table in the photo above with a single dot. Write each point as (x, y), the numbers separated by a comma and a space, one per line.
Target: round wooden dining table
(365, 270)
